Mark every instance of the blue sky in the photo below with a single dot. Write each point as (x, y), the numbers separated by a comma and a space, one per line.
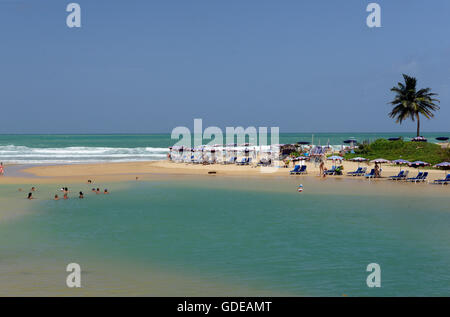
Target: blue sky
(149, 66)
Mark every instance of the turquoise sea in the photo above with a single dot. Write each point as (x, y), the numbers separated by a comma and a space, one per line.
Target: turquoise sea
(230, 236)
(59, 149)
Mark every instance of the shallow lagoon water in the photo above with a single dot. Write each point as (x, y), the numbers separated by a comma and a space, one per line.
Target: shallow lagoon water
(226, 235)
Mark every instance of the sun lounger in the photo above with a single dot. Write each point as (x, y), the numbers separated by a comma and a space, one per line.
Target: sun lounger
(331, 171)
(400, 175)
(232, 160)
(444, 181)
(371, 174)
(362, 173)
(295, 170)
(355, 172)
(302, 170)
(413, 179)
(245, 161)
(419, 178)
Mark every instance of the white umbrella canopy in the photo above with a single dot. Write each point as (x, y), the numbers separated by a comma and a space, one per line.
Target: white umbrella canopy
(380, 160)
(335, 158)
(359, 160)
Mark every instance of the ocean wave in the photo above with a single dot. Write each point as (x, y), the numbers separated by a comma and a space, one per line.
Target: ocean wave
(33, 155)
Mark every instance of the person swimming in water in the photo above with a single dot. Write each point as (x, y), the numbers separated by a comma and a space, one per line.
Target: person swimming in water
(30, 196)
(97, 191)
(81, 195)
(106, 191)
(56, 197)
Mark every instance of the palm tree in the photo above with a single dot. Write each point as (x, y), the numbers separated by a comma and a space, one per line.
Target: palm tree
(410, 103)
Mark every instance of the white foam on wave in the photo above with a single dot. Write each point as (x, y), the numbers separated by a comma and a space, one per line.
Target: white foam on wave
(29, 155)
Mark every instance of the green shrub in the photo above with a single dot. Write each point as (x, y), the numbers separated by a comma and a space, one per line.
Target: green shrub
(410, 151)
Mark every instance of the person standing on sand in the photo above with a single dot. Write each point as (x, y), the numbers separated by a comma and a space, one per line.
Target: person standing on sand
(377, 170)
(2, 169)
(321, 168)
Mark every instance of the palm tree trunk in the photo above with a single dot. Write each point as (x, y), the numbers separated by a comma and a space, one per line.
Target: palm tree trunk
(418, 124)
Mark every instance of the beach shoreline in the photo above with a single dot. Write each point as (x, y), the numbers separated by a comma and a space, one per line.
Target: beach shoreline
(126, 171)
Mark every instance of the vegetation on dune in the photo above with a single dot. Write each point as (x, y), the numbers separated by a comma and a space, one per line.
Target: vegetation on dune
(410, 151)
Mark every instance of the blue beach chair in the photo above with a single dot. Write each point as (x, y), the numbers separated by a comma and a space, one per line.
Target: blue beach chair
(398, 176)
(444, 181)
(355, 172)
(302, 170)
(414, 179)
(371, 174)
(295, 170)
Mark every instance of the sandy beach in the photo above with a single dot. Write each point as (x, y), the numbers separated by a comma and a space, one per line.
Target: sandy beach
(149, 170)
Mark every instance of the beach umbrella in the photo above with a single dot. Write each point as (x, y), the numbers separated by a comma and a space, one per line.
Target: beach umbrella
(444, 165)
(380, 160)
(336, 158)
(358, 159)
(400, 162)
(417, 164)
